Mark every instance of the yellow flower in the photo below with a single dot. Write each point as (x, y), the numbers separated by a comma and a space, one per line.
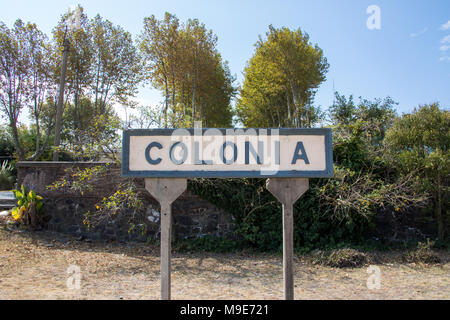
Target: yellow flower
(397, 209)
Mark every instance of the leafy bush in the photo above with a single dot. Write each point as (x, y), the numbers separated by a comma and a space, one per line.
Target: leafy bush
(333, 211)
(258, 219)
(28, 211)
(6, 176)
(124, 204)
(419, 143)
(6, 144)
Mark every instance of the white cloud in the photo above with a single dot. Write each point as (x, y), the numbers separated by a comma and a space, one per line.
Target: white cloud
(445, 26)
(446, 39)
(444, 47)
(444, 58)
(421, 32)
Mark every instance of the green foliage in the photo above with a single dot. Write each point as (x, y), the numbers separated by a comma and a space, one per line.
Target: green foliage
(334, 211)
(103, 62)
(343, 111)
(6, 143)
(6, 176)
(420, 143)
(88, 135)
(382, 162)
(25, 74)
(281, 80)
(350, 150)
(29, 208)
(182, 61)
(81, 181)
(116, 64)
(258, 215)
(124, 204)
(28, 136)
(421, 140)
(359, 130)
(8, 171)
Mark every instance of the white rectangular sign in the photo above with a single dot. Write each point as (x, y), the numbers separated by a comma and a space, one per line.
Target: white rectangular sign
(227, 153)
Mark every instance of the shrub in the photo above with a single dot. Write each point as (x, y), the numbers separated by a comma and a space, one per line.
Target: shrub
(258, 219)
(125, 204)
(6, 176)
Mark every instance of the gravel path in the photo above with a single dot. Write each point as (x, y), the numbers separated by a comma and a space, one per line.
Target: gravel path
(34, 266)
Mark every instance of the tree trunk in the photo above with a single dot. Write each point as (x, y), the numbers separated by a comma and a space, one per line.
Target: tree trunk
(38, 134)
(36, 115)
(173, 90)
(20, 151)
(194, 87)
(295, 99)
(96, 88)
(288, 107)
(295, 102)
(279, 118)
(59, 110)
(182, 101)
(439, 216)
(166, 108)
(44, 146)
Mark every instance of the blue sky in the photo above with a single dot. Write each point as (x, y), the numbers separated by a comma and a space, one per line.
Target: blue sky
(407, 59)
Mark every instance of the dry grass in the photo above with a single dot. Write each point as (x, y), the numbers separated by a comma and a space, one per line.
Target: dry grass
(33, 266)
(342, 258)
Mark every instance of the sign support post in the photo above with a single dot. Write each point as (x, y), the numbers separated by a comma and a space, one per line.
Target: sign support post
(288, 158)
(288, 191)
(165, 191)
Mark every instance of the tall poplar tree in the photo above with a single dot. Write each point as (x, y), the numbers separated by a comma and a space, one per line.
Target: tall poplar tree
(281, 80)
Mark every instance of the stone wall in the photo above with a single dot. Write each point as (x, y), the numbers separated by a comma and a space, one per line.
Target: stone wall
(65, 209)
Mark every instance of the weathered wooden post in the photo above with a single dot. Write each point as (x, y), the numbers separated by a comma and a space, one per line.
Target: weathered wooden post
(288, 191)
(165, 191)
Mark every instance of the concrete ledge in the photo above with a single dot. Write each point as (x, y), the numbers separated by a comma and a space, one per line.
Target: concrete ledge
(50, 164)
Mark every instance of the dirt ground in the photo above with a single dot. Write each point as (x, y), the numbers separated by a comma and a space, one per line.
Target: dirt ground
(35, 266)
